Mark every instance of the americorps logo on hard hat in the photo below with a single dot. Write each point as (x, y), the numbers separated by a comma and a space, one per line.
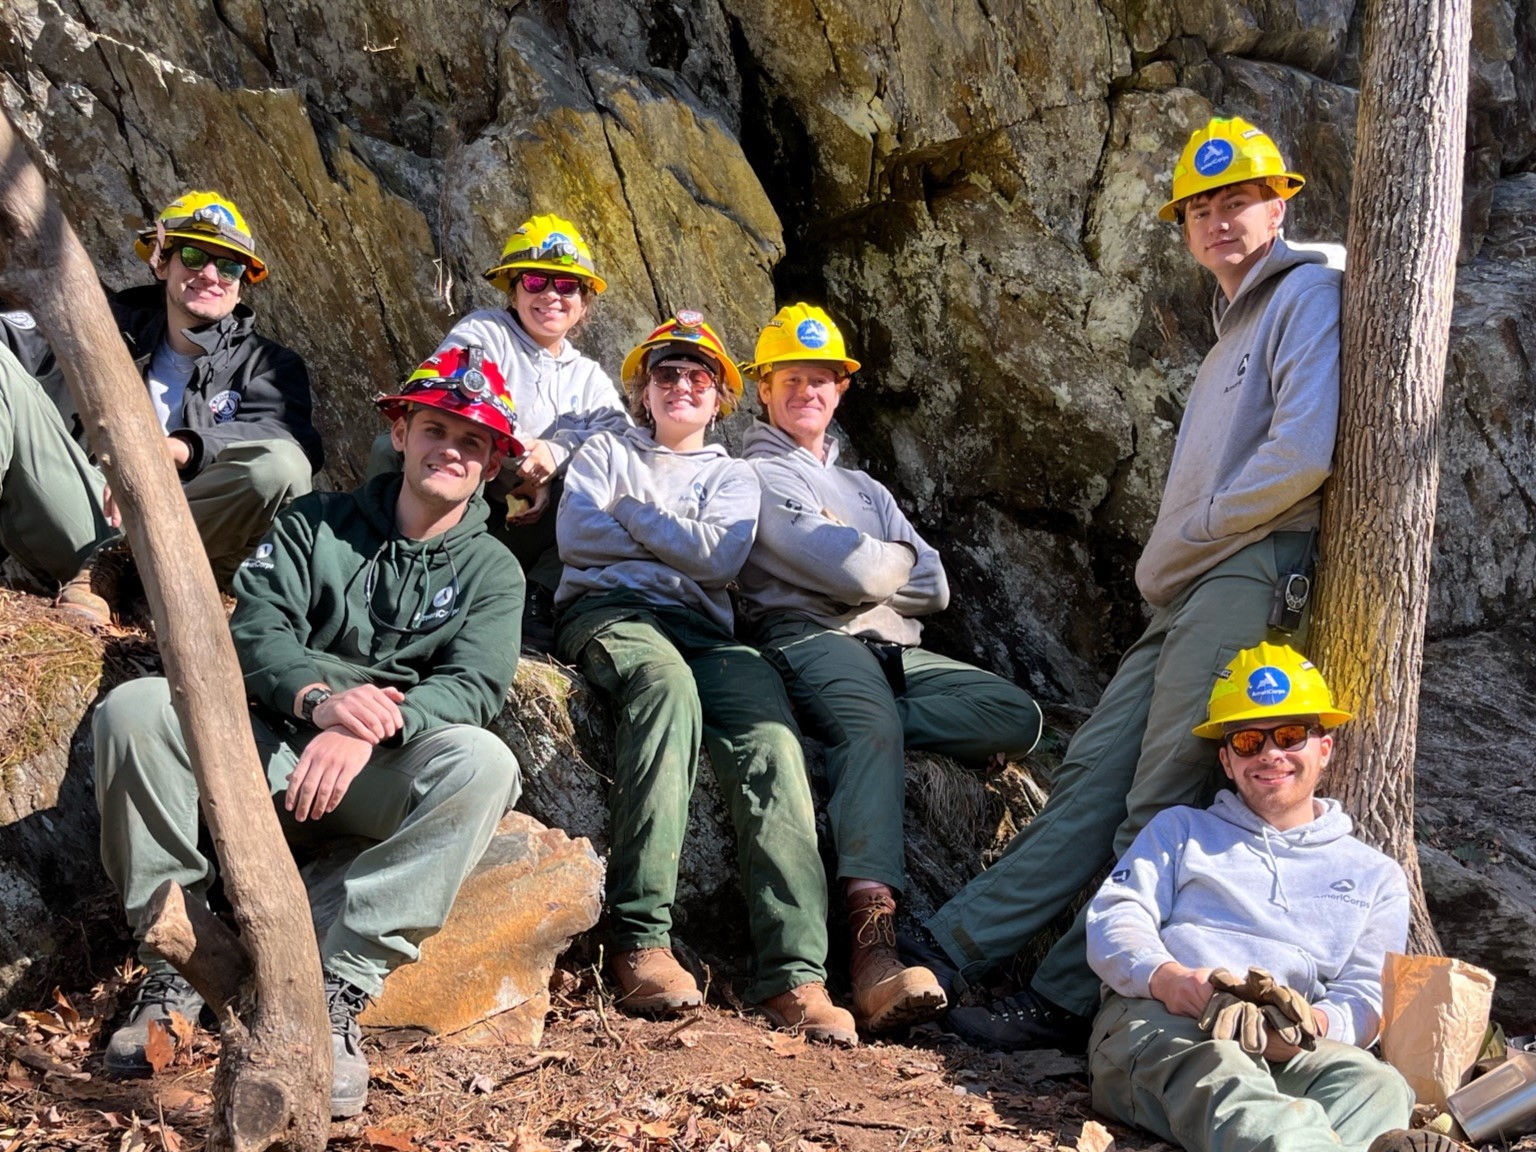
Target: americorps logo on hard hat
(214, 214)
(1268, 685)
(812, 334)
(1213, 157)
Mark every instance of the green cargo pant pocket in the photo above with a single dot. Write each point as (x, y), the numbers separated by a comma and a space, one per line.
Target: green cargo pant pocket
(1116, 1044)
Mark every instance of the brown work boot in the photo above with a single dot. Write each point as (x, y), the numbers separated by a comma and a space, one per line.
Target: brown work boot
(651, 981)
(92, 591)
(886, 993)
(809, 1010)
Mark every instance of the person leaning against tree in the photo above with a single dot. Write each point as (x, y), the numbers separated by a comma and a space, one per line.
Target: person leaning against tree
(234, 407)
(1241, 946)
(654, 525)
(561, 397)
(834, 590)
(377, 631)
(1237, 521)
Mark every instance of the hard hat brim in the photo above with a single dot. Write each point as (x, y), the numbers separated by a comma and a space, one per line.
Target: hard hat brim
(395, 407)
(1213, 729)
(1285, 184)
(759, 369)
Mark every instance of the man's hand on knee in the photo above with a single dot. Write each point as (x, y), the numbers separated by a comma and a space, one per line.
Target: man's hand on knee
(331, 761)
(368, 712)
(1183, 991)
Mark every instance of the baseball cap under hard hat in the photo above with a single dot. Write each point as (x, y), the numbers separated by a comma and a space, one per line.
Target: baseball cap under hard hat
(1268, 681)
(1228, 150)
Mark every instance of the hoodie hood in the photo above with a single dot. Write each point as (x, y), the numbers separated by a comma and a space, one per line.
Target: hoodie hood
(1280, 259)
(644, 440)
(1331, 822)
(762, 439)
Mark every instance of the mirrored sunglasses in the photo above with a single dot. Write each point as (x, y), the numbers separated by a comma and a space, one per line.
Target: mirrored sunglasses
(1251, 741)
(537, 282)
(195, 260)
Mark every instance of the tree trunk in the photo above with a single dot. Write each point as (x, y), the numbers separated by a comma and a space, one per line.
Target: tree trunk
(273, 1083)
(1379, 516)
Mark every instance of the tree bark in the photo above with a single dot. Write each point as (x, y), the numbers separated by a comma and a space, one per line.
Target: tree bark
(1379, 515)
(273, 1081)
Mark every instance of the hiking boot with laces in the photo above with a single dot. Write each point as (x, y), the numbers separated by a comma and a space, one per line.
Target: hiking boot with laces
(158, 996)
(1409, 1140)
(886, 993)
(808, 1010)
(349, 1069)
(93, 591)
(651, 981)
(1022, 1021)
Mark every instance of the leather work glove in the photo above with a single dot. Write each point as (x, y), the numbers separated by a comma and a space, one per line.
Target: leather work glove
(1286, 1010)
(1223, 981)
(1228, 1018)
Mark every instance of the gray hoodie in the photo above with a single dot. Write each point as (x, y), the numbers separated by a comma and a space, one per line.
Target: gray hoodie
(672, 526)
(833, 547)
(1221, 888)
(1256, 442)
(560, 398)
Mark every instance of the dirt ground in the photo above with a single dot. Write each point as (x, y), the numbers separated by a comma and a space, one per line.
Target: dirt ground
(717, 1081)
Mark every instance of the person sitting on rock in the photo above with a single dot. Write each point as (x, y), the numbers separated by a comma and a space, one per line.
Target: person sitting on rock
(1226, 1024)
(1238, 521)
(654, 526)
(235, 408)
(833, 591)
(562, 397)
(377, 630)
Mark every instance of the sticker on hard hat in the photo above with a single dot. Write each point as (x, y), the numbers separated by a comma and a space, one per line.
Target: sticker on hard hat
(689, 318)
(214, 214)
(22, 320)
(811, 334)
(1268, 685)
(1213, 157)
(224, 406)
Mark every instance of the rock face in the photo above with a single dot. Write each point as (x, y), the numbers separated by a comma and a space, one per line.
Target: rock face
(968, 185)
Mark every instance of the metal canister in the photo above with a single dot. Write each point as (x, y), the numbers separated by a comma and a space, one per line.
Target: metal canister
(1502, 1103)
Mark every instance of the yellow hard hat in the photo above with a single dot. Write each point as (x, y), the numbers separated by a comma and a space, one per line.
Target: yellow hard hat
(545, 244)
(203, 216)
(1268, 681)
(686, 332)
(1228, 151)
(800, 333)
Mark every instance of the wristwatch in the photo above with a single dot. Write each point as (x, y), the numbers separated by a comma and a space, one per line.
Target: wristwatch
(311, 700)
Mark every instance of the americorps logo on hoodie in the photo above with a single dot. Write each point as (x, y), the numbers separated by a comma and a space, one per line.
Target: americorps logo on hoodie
(1341, 890)
(260, 560)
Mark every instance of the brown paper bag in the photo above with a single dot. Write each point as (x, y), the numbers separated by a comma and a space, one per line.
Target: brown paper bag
(1433, 1018)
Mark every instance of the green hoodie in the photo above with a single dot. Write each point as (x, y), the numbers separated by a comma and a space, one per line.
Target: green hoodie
(304, 613)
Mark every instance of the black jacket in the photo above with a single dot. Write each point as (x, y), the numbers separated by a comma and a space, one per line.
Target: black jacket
(243, 387)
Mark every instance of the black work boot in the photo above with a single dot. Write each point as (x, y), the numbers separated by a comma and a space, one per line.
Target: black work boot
(1024, 1020)
(161, 994)
(349, 1070)
(539, 618)
(920, 949)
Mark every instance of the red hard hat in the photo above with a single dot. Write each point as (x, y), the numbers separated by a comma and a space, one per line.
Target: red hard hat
(463, 382)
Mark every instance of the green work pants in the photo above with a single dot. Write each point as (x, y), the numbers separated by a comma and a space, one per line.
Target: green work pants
(676, 677)
(1158, 1071)
(51, 516)
(235, 499)
(431, 805)
(1132, 758)
(532, 544)
(844, 699)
